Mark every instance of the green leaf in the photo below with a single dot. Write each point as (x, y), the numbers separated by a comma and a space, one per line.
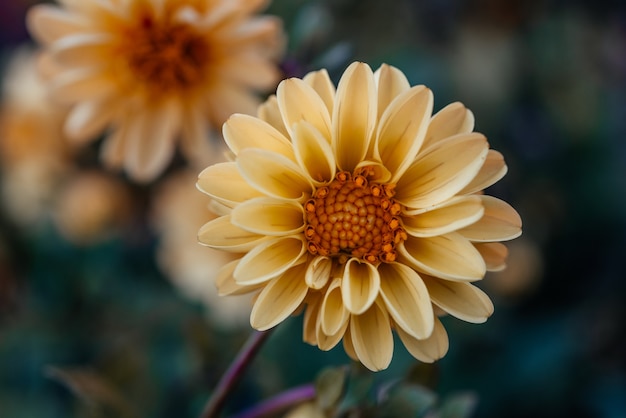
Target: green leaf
(407, 400)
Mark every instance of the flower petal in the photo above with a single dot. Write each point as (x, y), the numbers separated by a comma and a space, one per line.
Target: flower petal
(492, 170)
(462, 300)
(81, 84)
(150, 141)
(221, 234)
(48, 23)
(320, 81)
(406, 299)
(494, 254)
(447, 256)
(270, 259)
(270, 113)
(83, 49)
(372, 338)
(195, 139)
(279, 299)
(273, 174)
(298, 101)
(391, 82)
(452, 120)
(499, 223)
(348, 346)
(309, 323)
(318, 272)
(430, 349)
(226, 284)
(244, 131)
(224, 183)
(401, 129)
(88, 119)
(442, 170)
(268, 216)
(360, 285)
(333, 313)
(354, 115)
(450, 216)
(313, 153)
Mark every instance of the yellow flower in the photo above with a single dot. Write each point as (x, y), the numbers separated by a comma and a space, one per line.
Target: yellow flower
(156, 70)
(359, 207)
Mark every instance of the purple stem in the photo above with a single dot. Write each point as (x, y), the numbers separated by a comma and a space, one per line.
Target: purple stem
(234, 373)
(280, 402)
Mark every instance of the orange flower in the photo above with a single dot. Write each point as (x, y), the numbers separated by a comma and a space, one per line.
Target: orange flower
(360, 207)
(156, 70)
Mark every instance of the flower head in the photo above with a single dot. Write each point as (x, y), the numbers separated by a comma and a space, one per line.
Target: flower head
(359, 207)
(153, 71)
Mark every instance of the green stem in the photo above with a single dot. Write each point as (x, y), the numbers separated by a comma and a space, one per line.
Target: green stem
(234, 373)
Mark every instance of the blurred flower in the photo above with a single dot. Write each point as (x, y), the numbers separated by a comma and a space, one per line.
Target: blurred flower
(92, 207)
(178, 211)
(155, 70)
(358, 207)
(33, 153)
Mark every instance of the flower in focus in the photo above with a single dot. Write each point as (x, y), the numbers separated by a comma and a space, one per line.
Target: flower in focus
(178, 210)
(153, 71)
(34, 155)
(361, 208)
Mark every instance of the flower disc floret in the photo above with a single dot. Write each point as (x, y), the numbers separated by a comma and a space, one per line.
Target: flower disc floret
(353, 218)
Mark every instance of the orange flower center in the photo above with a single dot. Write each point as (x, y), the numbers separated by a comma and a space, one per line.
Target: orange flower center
(350, 217)
(166, 56)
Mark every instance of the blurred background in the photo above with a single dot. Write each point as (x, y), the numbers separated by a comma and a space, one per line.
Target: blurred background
(106, 304)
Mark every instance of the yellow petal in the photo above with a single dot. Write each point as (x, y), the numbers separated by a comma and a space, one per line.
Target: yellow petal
(391, 82)
(273, 174)
(279, 299)
(348, 346)
(401, 129)
(492, 170)
(226, 284)
(223, 183)
(244, 131)
(372, 338)
(499, 223)
(442, 170)
(150, 141)
(327, 342)
(195, 139)
(81, 84)
(48, 23)
(321, 83)
(88, 119)
(430, 349)
(309, 323)
(299, 102)
(462, 300)
(270, 259)
(313, 153)
(452, 120)
(268, 216)
(333, 313)
(354, 115)
(270, 113)
(406, 299)
(83, 49)
(494, 254)
(453, 214)
(221, 234)
(318, 272)
(447, 256)
(360, 285)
